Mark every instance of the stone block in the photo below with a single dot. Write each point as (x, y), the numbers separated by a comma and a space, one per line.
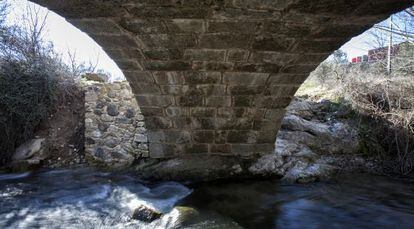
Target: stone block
(238, 55)
(203, 112)
(240, 136)
(266, 125)
(148, 111)
(167, 41)
(154, 100)
(169, 12)
(245, 14)
(267, 137)
(299, 68)
(218, 101)
(142, 26)
(282, 78)
(243, 100)
(193, 77)
(156, 136)
(272, 57)
(270, 43)
(257, 67)
(182, 122)
(288, 29)
(157, 123)
(203, 136)
(224, 41)
(112, 109)
(192, 98)
(163, 54)
(275, 114)
(316, 46)
(212, 66)
(280, 91)
(128, 64)
(97, 26)
(174, 90)
(204, 54)
(245, 78)
(203, 123)
(196, 149)
(169, 78)
(244, 27)
(262, 4)
(212, 89)
(243, 149)
(220, 136)
(220, 149)
(177, 111)
(234, 123)
(272, 102)
(245, 90)
(186, 26)
(136, 77)
(169, 136)
(125, 53)
(158, 150)
(115, 41)
(145, 88)
(168, 65)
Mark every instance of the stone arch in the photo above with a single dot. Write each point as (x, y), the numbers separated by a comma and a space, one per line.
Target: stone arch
(213, 77)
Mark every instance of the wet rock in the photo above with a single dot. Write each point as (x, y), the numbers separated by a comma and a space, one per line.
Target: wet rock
(145, 214)
(141, 138)
(183, 216)
(268, 165)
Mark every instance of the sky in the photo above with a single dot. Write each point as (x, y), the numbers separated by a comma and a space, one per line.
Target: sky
(66, 37)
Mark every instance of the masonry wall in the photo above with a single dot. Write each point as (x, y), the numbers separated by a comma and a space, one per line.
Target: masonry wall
(114, 126)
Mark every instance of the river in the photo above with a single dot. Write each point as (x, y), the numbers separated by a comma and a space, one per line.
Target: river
(83, 198)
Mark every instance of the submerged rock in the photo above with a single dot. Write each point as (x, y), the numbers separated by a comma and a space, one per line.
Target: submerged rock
(146, 214)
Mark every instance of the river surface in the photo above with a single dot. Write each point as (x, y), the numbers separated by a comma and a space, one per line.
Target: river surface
(83, 198)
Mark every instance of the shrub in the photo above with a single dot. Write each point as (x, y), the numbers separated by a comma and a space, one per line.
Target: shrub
(33, 82)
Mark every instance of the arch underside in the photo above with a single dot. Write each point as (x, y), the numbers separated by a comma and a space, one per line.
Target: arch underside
(214, 76)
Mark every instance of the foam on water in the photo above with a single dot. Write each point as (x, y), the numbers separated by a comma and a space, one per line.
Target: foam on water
(81, 199)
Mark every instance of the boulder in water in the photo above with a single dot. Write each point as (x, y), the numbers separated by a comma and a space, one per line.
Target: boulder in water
(185, 214)
(146, 214)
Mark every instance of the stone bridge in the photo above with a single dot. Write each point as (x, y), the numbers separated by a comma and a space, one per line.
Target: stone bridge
(213, 77)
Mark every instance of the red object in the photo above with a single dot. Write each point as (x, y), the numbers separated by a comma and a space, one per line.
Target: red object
(354, 60)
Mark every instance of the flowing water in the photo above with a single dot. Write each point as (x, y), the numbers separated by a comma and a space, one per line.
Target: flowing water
(84, 198)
